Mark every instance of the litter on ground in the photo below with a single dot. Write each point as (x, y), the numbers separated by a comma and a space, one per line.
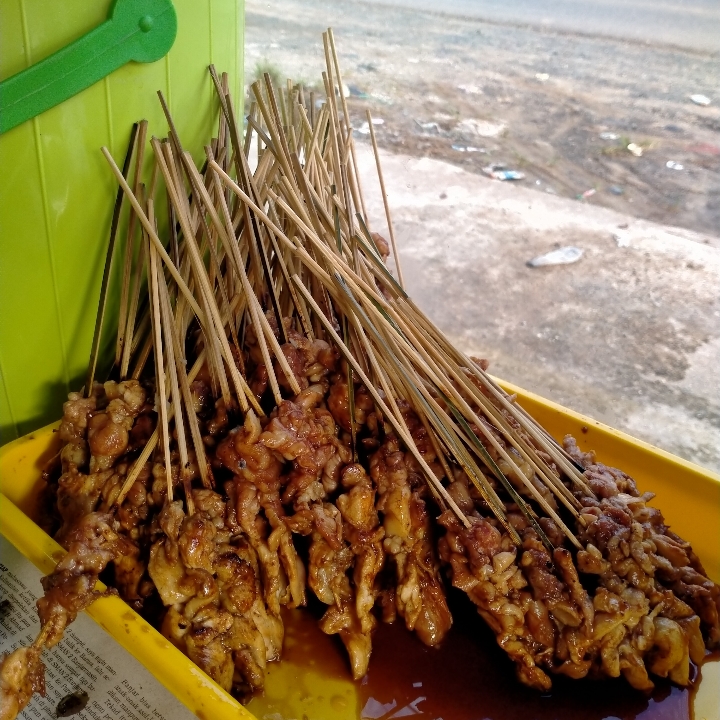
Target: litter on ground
(562, 256)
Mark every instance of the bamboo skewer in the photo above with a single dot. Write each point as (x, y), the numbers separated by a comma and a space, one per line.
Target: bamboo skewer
(177, 195)
(153, 235)
(161, 400)
(523, 449)
(259, 319)
(255, 240)
(182, 389)
(293, 236)
(244, 394)
(134, 295)
(336, 64)
(205, 203)
(532, 490)
(379, 401)
(503, 451)
(130, 244)
(166, 321)
(391, 230)
(102, 302)
(567, 467)
(489, 438)
(442, 427)
(152, 442)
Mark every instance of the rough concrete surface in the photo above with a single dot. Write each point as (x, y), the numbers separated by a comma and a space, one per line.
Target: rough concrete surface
(691, 24)
(558, 106)
(629, 335)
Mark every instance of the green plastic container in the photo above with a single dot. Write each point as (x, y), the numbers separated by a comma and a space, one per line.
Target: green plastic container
(57, 193)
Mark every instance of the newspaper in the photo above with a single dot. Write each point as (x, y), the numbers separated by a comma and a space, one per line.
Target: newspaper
(88, 660)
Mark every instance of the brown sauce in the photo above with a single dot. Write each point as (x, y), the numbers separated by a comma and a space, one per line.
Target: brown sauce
(467, 678)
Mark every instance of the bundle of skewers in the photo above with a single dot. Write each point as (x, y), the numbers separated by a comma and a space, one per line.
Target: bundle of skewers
(282, 418)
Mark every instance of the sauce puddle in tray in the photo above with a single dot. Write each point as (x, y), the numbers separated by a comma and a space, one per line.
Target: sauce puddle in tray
(468, 678)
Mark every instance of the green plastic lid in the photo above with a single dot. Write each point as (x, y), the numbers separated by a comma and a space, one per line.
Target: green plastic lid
(139, 30)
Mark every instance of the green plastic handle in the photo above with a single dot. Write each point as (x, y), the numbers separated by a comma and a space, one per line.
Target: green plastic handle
(139, 30)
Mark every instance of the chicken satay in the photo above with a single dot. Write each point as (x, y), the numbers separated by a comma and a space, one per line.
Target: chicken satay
(236, 569)
(330, 560)
(108, 431)
(210, 583)
(363, 531)
(77, 496)
(640, 563)
(309, 360)
(22, 674)
(68, 590)
(257, 470)
(255, 508)
(306, 435)
(418, 594)
(655, 549)
(643, 614)
(255, 495)
(483, 563)
(91, 545)
(245, 513)
(77, 411)
(181, 566)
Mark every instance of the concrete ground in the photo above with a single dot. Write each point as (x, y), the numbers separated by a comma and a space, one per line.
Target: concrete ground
(693, 24)
(558, 106)
(630, 334)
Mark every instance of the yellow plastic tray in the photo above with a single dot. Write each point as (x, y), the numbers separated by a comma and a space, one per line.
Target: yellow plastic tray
(688, 495)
